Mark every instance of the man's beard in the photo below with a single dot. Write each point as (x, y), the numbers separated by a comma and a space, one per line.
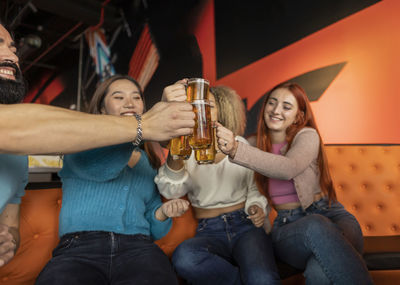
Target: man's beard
(12, 91)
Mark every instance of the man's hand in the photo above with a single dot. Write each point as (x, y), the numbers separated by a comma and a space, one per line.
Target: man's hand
(256, 215)
(8, 245)
(168, 120)
(172, 208)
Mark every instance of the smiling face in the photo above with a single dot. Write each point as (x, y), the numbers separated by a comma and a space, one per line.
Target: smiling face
(122, 99)
(12, 87)
(7, 55)
(280, 111)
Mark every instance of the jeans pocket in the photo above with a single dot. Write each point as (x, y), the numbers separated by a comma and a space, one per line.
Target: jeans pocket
(142, 237)
(202, 225)
(64, 244)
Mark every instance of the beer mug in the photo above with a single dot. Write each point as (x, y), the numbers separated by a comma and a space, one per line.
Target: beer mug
(179, 148)
(197, 95)
(206, 156)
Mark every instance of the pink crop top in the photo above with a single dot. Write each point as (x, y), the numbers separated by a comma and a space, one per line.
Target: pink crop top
(281, 191)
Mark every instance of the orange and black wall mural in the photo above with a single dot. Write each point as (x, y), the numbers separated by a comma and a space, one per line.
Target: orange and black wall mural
(345, 53)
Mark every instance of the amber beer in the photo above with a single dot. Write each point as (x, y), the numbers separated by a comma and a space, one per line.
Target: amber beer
(197, 95)
(179, 148)
(206, 156)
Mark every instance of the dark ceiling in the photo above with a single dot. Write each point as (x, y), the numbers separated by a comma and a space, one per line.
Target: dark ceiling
(47, 32)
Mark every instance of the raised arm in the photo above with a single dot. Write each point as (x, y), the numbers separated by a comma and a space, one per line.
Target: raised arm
(39, 129)
(303, 152)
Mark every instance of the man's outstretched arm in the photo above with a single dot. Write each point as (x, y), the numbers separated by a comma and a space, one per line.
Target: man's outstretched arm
(43, 129)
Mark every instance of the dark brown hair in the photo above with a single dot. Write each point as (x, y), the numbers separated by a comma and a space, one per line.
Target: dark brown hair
(97, 103)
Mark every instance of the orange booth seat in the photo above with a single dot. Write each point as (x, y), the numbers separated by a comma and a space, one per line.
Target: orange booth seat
(367, 180)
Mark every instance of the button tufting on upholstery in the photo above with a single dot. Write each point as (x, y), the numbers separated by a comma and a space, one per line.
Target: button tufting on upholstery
(355, 207)
(394, 228)
(376, 167)
(36, 236)
(368, 227)
(380, 207)
(5, 278)
(59, 202)
(389, 187)
(352, 167)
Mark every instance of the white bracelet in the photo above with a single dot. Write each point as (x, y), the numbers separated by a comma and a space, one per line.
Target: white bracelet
(139, 134)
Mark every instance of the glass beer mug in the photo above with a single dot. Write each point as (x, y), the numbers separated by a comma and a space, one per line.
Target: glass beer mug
(197, 95)
(179, 148)
(207, 155)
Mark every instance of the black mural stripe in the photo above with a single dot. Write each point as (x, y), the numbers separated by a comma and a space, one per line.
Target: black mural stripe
(246, 31)
(314, 82)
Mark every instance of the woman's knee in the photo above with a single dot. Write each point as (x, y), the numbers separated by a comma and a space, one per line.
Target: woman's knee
(318, 225)
(186, 256)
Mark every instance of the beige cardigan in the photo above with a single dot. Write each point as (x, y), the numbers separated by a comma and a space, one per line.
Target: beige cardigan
(299, 163)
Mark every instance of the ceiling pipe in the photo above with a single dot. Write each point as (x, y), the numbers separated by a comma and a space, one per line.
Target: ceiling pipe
(52, 46)
(101, 16)
(25, 10)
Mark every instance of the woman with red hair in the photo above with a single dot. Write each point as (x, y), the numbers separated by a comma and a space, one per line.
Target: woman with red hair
(312, 232)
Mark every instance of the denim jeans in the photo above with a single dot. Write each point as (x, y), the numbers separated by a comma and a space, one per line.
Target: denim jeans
(326, 242)
(107, 258)
(227, 249)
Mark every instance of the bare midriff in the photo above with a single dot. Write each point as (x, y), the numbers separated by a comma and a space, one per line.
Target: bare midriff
(201, 213)
(291, 206)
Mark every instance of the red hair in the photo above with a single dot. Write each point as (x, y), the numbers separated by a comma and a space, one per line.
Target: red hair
(304, 118)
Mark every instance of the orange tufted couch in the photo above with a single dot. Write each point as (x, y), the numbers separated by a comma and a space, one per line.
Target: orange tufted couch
(367, 179)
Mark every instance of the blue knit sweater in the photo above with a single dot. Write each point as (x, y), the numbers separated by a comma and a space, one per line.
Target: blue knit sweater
(102, 193)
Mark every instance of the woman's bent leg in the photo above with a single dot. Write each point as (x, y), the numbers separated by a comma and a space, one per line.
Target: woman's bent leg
(345, 222)
(316, 236)
(254, 254)
(77, 261)
(314, 273)
(65, 271)
(205, 260)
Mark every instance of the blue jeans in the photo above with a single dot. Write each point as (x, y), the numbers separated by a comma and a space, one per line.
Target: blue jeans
(107, 258)
(326, 242)
(227, 249)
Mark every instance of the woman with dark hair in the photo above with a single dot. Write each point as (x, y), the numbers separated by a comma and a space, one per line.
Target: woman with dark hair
(111, 209)
(312, 232)
(231, 245)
